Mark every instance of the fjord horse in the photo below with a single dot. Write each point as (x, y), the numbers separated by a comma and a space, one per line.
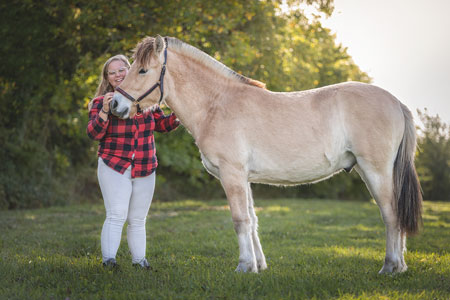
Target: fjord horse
(248, 134)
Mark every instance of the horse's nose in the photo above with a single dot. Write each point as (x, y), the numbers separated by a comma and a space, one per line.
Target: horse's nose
(114, 103)
(118, 108)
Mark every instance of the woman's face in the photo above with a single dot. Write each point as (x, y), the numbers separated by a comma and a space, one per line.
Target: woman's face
(117, 70)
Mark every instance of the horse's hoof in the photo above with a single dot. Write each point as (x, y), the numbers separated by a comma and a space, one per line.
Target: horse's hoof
(386, 270)
(262, 266)
(246, 267)
(393, 267)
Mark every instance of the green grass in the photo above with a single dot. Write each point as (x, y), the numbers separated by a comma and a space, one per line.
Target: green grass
(314, 249)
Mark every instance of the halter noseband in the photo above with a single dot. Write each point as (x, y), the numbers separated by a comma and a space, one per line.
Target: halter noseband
(160, 83)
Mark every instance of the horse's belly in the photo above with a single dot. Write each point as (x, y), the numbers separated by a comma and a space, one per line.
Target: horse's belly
(299, 170)
(290, 176)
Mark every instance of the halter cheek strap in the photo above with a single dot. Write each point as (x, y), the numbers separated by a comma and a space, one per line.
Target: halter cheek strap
(159, 84)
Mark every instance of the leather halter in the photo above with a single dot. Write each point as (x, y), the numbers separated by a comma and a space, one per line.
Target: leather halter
(159, 84)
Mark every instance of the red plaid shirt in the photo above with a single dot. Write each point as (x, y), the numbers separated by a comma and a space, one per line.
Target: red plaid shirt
(130, 141)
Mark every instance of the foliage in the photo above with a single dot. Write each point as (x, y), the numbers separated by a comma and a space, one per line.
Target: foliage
(55, 52)
(324, 249)
(433, 159)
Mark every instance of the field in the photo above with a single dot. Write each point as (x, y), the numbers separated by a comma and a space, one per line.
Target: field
(317, 249)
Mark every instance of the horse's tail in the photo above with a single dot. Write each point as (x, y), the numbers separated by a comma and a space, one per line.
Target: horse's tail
(407, 190)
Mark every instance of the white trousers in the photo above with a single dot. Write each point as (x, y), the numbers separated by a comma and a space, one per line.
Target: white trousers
(126, 199)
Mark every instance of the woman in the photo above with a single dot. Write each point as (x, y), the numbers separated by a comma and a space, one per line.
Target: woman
(126, 164)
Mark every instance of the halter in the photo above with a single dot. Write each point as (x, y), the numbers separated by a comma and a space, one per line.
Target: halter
(159, 84)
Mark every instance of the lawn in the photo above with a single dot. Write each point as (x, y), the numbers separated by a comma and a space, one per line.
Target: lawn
(318, 249)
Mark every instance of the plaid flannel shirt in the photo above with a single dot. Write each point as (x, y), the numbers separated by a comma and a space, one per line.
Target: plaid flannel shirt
(125, 142)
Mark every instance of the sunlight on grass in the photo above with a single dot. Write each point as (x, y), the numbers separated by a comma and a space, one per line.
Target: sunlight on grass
(30, 217)
(362, 227)
(436, 214)
(276, 208)
(351, 251)
(441, 207)
(217, 208)
(430, 217)
(186, 204)
(163, 214)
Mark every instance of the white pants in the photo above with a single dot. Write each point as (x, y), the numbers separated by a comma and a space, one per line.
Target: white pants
(126, 199)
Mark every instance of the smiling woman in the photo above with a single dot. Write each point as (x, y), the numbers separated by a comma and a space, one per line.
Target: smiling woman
(127, 159)
(114, 71)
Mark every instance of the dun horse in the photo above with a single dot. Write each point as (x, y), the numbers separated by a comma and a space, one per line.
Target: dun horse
(247, 134)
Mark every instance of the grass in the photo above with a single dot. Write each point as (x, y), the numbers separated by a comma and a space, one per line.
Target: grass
(316, 249)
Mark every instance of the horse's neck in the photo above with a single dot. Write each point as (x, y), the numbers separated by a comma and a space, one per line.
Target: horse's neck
(194, 91)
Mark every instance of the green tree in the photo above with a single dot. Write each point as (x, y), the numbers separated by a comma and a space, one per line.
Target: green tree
(433, 157)
(55, 50)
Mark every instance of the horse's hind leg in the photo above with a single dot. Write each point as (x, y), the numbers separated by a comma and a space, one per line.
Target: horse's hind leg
(381, 186)
(260, 258)
(235, 184)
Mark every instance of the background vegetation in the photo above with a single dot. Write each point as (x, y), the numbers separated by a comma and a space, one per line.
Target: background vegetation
(53, 53)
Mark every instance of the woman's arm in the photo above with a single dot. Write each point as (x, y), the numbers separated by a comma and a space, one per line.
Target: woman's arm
(98, 120)
(164, 123)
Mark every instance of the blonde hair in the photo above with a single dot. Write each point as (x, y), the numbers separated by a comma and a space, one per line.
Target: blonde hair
(104, 85)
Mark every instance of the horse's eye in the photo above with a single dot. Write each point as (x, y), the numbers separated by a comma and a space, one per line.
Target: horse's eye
(142, 71)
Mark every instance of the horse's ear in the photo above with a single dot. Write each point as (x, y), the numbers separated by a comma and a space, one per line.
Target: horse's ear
(159, 45)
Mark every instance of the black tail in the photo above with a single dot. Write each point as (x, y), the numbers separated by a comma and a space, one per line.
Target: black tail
(407, 190)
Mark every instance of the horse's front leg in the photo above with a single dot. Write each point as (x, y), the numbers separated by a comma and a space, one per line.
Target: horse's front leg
(259, 254)
(235, 184)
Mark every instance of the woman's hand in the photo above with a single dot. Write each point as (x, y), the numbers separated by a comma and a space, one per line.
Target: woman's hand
(106, 100)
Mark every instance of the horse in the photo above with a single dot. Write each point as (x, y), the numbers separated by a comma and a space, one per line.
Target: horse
(248, 134)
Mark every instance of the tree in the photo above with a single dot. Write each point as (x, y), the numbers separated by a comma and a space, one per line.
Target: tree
(433, 157)
(55, 51)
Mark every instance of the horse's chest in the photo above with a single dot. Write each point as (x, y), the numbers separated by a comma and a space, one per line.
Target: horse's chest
(211, 167)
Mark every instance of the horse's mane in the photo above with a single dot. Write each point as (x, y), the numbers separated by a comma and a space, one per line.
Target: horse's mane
(143, 50)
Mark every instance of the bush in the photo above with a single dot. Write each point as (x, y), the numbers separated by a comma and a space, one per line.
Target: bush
(433, 157)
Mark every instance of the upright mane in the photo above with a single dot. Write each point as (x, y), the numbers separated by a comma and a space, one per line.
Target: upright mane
(143, 50)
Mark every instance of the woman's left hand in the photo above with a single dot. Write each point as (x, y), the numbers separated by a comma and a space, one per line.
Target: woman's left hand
(106, 100)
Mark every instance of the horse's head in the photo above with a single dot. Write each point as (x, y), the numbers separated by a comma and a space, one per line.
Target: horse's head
(144, 84)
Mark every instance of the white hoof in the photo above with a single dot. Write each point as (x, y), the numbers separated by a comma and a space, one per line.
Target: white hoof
(262, 265)
(393, 267)
(247, 267)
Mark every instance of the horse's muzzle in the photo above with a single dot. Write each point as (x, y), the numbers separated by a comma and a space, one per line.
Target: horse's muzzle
(120, 107)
